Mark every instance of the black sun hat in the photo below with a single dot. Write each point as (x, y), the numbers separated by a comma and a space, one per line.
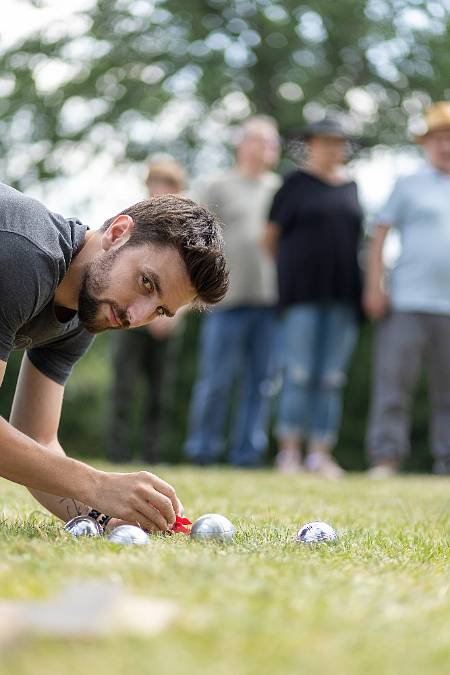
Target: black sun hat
(328, 126)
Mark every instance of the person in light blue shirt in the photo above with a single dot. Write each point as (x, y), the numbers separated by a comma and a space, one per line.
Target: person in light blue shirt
(412, 306)
(419, 209)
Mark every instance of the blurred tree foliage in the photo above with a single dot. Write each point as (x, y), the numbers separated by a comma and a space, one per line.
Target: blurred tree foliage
(123, 74)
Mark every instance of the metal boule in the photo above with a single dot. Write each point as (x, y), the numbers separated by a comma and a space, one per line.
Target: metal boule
(128, 535)
(213, 526)
(83, 526)
(315, 532)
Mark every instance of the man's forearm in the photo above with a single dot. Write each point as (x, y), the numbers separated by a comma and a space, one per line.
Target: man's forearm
(374, 277)
(28, 463)
(62, 507)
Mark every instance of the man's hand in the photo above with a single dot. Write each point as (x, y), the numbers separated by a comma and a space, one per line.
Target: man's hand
(375, 303)
(375, 300)
(140, 498)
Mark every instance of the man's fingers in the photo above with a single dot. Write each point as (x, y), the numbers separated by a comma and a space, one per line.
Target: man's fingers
(163, 505)
(154, 515)
(147, 521)
(167, 490)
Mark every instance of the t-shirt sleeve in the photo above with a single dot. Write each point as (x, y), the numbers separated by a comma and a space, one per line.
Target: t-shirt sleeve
(203, 192)
(391, 213)
(56, 359)
(27, 282)
(282, 210)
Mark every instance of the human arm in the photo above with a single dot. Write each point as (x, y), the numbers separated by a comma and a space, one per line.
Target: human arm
(31, 455)
(280, 216)
(270, 238)
(375, 298)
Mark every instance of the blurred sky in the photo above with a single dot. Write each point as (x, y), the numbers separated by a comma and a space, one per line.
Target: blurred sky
(100, 190)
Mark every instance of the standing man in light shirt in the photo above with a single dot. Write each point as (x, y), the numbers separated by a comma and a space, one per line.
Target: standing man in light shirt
(237, 338)
(412, 306)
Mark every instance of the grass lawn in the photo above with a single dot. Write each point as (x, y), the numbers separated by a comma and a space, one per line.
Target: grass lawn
(376, 602)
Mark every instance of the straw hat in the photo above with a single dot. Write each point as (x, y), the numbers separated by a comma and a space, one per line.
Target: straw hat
(436, 118)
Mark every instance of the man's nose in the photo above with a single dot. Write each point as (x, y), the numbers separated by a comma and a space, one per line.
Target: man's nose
(141, 311)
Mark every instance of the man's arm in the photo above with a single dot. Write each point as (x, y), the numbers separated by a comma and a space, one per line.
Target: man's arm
(270, 238)
(375, 298)
(44, 430)
(30, 455)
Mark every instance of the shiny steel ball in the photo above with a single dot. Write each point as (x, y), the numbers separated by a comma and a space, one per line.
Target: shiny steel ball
(213, 526)
(315, 532)
(83, 526)
(129, 535)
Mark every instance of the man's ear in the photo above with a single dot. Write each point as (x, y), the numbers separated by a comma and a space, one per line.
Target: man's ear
(118, 232)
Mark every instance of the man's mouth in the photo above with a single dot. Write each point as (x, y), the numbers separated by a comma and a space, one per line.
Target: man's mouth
(115, 321)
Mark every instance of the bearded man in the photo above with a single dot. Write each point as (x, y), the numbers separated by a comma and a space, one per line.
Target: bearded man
(60, 283)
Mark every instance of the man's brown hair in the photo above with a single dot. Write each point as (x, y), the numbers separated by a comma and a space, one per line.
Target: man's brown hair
(193, 231)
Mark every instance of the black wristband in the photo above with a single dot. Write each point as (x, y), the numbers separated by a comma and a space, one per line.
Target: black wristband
(101, 518)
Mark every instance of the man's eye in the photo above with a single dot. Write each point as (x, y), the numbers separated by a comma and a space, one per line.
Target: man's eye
(160, 311)
(148, 284)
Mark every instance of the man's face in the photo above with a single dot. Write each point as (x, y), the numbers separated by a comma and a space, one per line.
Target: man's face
(262, 145)
(129, 286)
(162, 186)
(437, 147)
(328, 149)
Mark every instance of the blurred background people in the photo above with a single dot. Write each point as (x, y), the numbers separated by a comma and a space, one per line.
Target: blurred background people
(314, 232)
(412, 307)
(237, 337)
(141, 355)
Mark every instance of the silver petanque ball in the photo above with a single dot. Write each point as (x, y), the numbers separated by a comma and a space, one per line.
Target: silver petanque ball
(213, 526)
(129, 535)
(83, 526)
(315, 532)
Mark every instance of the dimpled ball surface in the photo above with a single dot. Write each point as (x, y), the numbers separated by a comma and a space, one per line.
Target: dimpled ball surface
(213, 526)
(315, 532)
(83, 526)
(129, 535)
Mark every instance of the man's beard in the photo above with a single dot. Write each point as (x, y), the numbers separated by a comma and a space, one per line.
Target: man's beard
(95, 281)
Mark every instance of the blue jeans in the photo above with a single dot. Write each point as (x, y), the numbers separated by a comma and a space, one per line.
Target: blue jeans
(316, 343)
(234, 344)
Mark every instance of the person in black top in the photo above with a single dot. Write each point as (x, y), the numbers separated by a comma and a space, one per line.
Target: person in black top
(314, 231)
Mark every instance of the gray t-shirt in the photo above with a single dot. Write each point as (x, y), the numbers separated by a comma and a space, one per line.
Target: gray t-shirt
(243, 206)
(36, 249)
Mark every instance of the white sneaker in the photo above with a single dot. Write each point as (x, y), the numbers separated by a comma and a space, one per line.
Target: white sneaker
(288, 462)
(323, 464)
(382, 471)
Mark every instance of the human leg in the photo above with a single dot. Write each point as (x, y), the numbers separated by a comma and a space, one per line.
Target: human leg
(219, 349)
(438, 359)
(400, 341)
(337, 337)
(298, 330)
(156, 366)
(128, 353)
(249, 438)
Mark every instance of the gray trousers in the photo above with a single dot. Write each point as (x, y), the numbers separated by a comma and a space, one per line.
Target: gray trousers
(404, 342)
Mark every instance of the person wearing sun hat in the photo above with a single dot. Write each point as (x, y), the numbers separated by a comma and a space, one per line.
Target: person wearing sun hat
(412, 305)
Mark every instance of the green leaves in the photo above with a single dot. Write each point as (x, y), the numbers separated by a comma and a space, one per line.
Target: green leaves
(174, 65)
